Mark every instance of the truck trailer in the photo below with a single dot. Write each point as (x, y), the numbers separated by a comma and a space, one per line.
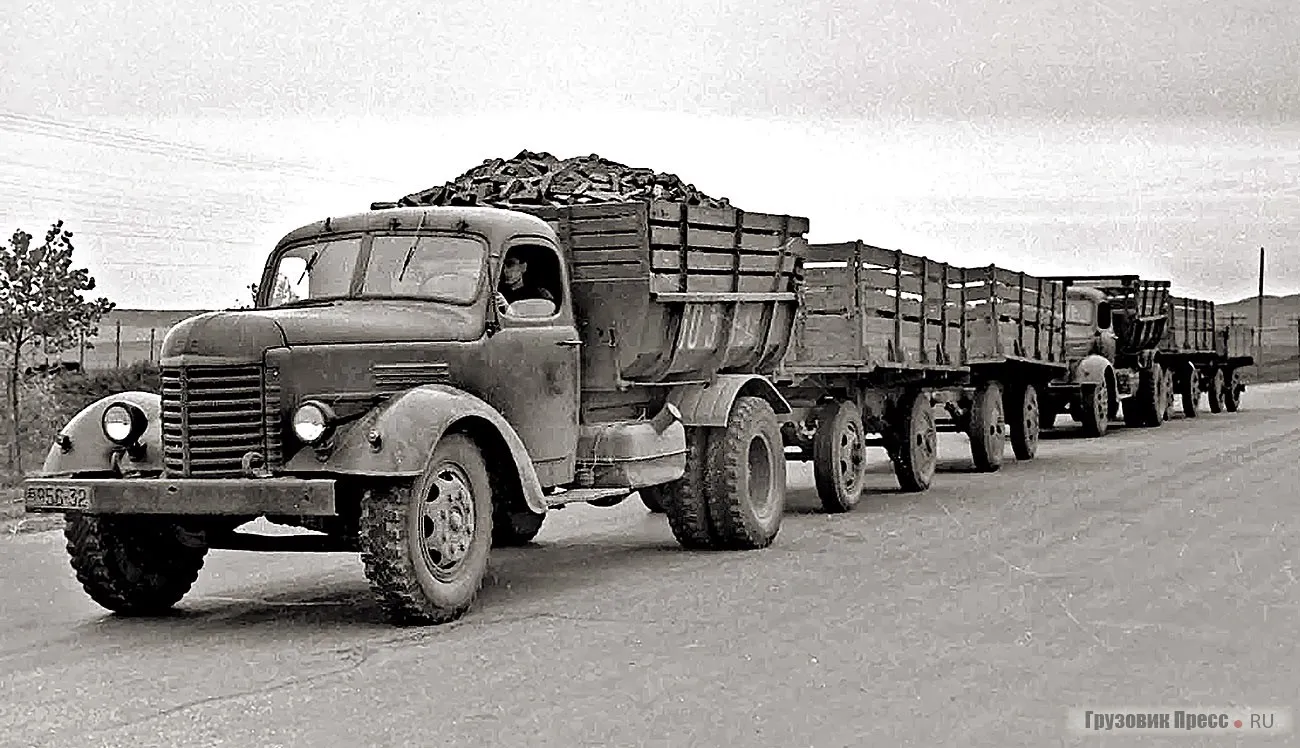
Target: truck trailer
(883, 337)
(384, 395)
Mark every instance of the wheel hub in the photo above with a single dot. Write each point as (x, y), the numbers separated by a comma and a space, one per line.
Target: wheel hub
(849, 457)
(448, 519)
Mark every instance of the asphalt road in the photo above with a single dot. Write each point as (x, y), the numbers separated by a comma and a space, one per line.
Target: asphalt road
(1150, 568)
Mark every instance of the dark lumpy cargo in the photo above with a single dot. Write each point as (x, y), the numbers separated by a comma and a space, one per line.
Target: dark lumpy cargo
(542, 180)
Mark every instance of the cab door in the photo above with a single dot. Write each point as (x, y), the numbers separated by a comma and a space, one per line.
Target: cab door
(535, 364)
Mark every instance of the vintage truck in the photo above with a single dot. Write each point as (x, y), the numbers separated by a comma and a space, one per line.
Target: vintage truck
(884, 336)
(381, 395)
(1131, 344)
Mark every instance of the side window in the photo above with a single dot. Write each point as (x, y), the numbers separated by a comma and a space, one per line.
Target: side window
(530, 282)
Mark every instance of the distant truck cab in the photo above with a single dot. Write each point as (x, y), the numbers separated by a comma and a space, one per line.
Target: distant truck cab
(418, 384)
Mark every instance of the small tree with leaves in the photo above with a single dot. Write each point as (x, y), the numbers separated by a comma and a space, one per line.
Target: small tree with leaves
(42, 310)
(283, 292)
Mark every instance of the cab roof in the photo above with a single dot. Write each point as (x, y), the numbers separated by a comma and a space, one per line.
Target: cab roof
(496, 224)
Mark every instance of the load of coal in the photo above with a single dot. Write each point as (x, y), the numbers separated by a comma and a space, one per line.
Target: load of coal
(532, 180)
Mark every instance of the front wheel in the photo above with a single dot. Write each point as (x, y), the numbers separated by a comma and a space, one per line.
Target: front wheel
(131, 565)
(839, 456)
(1232, 392)
(425, 543)
(987, 428)
(1214, 392)
(1191, 394)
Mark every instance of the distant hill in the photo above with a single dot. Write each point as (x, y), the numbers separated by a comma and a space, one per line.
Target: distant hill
(1280, 313)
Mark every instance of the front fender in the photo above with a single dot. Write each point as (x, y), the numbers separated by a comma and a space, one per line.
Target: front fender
(710, 404)
(1092, 370)
(91, 452)
(409, 426)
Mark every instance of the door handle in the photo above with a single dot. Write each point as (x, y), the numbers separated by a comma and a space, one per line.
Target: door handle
(569, 343)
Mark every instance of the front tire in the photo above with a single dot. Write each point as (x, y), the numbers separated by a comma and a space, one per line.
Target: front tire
(425, 543)
(1214, 392)
(915, 443)
(132, 565)
(1232, 392)
(1191, 394)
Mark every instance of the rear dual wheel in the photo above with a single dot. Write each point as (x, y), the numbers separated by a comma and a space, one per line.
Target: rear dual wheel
(732, 495)
(913, 442)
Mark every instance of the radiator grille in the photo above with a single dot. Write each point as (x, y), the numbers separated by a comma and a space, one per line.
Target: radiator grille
(213, 415)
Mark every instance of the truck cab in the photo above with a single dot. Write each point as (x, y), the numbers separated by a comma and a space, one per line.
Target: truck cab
(410, 385)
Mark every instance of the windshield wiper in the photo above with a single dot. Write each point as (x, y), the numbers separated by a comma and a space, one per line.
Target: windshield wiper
(411, 252)
(311, 263)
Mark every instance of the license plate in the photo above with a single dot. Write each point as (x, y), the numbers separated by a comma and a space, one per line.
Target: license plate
(57, 497)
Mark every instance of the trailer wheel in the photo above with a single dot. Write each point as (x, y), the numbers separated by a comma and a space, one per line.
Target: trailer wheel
(1214, 393)
(133, 566)
(1094, 410)
(1022, 404)
(1169, 395)
(745, 485)
(839, 456)
(684, 500)
(1191, 394)
(987, 432)
(915, 442)
(1232, 392)
(425, 542)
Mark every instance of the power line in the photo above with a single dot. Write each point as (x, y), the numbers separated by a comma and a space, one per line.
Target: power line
(126, 140)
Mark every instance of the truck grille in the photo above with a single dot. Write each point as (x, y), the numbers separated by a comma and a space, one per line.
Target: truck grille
(213, 415)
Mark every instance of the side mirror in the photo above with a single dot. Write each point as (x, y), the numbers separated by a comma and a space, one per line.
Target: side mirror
(1103, 316)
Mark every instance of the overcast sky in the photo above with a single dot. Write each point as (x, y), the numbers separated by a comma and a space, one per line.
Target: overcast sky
(902, 123)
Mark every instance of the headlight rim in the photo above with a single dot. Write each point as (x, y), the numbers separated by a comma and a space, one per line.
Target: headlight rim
(138, 422)
(328, 420)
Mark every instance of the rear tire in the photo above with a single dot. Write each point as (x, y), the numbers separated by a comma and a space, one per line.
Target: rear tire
(132, 565)
(425, 543)
(1094, 410)
(1169, 395)
(683, 499)
(1025, 422)
(987, 432)
(839, 456)
(914, 443)
(745, 484)
(1145, 408)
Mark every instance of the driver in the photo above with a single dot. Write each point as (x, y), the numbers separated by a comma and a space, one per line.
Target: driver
(515, 284)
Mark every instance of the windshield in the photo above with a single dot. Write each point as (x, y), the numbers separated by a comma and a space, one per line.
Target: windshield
(434, 267)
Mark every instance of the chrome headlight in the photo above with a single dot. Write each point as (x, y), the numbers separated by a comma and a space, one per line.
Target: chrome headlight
(123, 423)
(313, 422)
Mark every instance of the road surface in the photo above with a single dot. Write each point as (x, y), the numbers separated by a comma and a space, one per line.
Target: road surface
(1150, 568)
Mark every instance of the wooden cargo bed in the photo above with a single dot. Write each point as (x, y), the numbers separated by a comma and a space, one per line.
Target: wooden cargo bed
(867, 308)
(667, 292)
(1191, 327)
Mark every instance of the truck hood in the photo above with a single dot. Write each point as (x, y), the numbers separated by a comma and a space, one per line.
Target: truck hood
(246, 333)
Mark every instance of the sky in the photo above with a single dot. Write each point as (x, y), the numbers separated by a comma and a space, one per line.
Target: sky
(179, 143)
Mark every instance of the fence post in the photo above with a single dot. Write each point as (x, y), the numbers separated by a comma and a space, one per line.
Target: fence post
(119, 344)
(151, 338)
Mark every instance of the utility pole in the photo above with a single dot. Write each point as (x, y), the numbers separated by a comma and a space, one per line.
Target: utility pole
(1259, 340)
(1297, 343)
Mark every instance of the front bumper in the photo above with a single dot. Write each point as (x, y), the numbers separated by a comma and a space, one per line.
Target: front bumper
(214, 497)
